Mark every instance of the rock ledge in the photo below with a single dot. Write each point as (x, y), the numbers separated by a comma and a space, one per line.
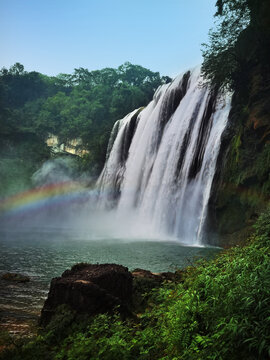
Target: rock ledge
(89, 289)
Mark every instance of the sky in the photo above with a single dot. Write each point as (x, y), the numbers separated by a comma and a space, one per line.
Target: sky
(56, 36)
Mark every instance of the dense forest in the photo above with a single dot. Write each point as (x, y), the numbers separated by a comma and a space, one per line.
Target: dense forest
(82, 105)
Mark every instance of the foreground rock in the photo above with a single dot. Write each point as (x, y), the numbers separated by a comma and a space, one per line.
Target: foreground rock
(14, 277)
(89, 289)
(157, 277)
(93, 289)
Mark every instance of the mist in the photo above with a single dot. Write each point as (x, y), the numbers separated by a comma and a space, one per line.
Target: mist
(67, 203)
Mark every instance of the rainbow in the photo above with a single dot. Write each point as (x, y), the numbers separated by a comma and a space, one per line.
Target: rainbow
(73, 192)
(43, 197)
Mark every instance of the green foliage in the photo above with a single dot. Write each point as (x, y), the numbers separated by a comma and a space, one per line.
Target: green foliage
(220, 311)
(58, 328)
(236, 145)
(262, 226)
(262, 168)
(248, 164)
(221, 58)
(80, 105)
(18, 161)
(239, 39)
(5, 338)
(105, 338)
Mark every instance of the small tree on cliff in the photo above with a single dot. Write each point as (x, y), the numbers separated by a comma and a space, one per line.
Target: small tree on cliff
(234, 41)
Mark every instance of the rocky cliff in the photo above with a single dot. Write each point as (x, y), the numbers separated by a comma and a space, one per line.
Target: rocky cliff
(242, 187)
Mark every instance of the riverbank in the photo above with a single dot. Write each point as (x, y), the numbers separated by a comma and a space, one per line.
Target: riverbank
(45, 253)
(220, 310)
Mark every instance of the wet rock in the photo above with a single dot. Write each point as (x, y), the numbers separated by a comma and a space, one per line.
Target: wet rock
(15, 277)
(90, 289)
(146, 274)
(144, 281)
(157, 277)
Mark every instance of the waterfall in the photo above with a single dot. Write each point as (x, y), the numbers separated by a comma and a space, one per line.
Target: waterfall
(161, 160)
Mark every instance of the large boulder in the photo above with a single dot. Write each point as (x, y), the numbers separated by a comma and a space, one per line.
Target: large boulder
(89, 289)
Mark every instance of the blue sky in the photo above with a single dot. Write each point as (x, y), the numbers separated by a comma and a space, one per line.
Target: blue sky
(54, 36)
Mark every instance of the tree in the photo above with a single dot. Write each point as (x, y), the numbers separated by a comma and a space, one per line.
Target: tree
(51, 118)
(241, 38)
(221, 59)
(83, 105)
(16, 69)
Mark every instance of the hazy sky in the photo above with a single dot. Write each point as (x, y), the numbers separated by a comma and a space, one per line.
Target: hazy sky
(53, 36)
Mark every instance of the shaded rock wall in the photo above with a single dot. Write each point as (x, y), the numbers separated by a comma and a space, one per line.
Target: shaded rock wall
(242, 183)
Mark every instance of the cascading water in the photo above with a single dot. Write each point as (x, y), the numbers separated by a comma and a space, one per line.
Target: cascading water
(161, 160)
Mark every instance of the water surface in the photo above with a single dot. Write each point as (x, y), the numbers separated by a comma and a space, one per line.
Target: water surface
(45, 253)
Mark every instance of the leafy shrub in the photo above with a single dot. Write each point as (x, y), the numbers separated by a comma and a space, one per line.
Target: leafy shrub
(262, 226)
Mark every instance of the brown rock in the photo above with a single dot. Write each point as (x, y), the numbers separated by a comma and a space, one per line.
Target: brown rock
(89, 289)
(14, 277)
(157, 277)
(146, 274)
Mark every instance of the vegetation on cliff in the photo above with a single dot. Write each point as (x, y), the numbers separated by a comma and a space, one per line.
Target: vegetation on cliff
(221, 57)
(220, 310)
(238, 57)
(239, 40)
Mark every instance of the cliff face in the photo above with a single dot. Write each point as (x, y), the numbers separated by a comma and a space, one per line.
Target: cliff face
(73, 146)
(243, 183)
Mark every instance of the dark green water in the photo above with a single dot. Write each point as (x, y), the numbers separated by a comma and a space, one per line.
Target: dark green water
(43, 255)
